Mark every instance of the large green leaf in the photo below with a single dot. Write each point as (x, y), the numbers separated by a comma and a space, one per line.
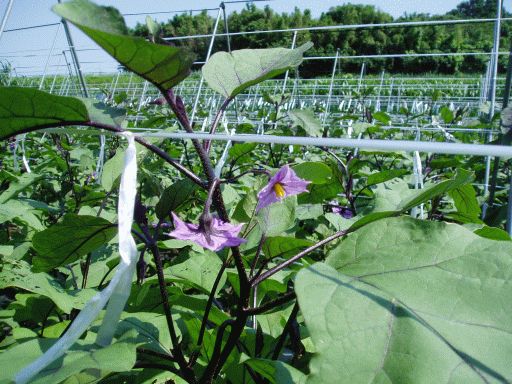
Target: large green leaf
(98, 362)
(16, 273)
(163, 65)
(67, 241)
(24, 108)
(231, 73)
(411, 301)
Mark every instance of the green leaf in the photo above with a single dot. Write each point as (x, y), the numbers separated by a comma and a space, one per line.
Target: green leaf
(163, 65)
(383, 117)
(306, 120)
(200, 270)
(16, 273)
(15, 187)
(278, 217)
(102, 113)
(34, 109)
(241, 152)
(276, 372)
(174, 196)
(414, 301)
(153, 27)
(112, 171)
(231, 73)
(316, 172)
(70, 239)
(22, 109)
(282, 246)
(446, 114)
(493, 233)
(98, 362)
(465, 200)
(423, 195)
(383, 176)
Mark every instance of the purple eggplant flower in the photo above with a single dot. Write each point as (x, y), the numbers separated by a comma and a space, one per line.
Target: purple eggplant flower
(283, 184)
(214, 236)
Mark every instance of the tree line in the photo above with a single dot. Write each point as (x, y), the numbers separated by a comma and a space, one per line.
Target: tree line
(351, 42)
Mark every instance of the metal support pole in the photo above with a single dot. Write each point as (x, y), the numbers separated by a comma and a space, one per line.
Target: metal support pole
(74, 57)
(208, 54)
(287, 74)
(49, 57)
(70, 72)
(226, 29)
(492, 92)
(495, 169)
(329, 95)
(6, 16)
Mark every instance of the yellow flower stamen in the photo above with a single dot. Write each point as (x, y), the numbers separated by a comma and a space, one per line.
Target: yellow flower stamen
(279, 190)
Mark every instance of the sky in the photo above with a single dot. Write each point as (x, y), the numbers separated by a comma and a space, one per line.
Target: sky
(28, 50)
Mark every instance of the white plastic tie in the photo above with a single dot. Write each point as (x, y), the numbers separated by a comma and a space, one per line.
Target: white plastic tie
(117, 291)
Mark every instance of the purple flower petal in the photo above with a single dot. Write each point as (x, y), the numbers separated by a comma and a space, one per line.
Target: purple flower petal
(223, 234)
(290, 183)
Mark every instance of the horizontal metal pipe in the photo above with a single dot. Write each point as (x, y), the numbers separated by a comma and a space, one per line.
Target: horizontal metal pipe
(364, 144)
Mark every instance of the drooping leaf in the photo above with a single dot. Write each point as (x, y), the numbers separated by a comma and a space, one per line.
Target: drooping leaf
(314, 171)
(24, 108)
(67, 241)
(415, 302)
(173, 196)
(163, 65)
(306, 120)
(231, 73)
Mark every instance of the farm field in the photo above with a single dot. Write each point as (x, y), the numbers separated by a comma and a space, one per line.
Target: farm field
(243, 224)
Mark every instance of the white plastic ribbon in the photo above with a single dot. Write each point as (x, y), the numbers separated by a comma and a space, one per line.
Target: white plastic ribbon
(101, 159)
(225, 155)
(23, 156)
(117, 291)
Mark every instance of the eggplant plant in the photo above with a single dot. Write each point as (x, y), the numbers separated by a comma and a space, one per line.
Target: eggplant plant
(238, 264)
